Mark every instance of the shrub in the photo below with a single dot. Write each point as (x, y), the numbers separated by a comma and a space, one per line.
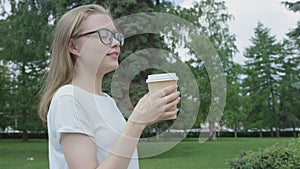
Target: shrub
(281, 156)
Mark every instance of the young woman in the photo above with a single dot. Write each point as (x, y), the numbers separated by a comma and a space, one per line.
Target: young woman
(85, 128)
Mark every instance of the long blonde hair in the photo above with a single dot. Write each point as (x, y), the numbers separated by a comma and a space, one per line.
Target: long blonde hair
(62, 63)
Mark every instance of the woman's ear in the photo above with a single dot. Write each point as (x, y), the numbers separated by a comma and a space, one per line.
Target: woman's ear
(73, 48)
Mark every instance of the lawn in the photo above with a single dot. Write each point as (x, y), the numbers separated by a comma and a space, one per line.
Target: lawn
(14, 154)
(189, 154)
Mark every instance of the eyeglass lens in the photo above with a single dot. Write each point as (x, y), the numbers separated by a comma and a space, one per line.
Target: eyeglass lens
(106, 36)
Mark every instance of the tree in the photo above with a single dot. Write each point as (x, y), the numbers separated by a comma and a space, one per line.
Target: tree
(211, 17)
(4, 80)
(25, 42)
(235, 113)
(295, 33)
(289, 92)
(3, 88)
(28, 53)
(262, 80)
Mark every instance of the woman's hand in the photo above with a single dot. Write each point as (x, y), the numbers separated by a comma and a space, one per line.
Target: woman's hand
(156, 106)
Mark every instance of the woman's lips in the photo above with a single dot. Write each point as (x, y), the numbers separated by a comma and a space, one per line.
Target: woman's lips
(113, 55)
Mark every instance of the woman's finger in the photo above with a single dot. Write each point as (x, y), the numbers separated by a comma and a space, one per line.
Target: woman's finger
(169, 114)
(172, 97)
(172, 105)
(169, 89)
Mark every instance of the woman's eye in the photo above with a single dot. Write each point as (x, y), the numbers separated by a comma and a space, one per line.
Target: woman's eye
(104, 34)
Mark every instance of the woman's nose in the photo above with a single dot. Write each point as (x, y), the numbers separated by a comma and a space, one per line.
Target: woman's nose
(115, 42)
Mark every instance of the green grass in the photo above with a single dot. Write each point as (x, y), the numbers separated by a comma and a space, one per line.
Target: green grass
(189, 154)
(14, 154)
(210, 155)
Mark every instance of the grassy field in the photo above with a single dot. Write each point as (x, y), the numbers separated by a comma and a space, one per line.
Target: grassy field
(189, 154)
(14, 154)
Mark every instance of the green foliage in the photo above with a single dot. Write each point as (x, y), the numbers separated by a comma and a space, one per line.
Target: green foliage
(261, 70)
(270, 93)
(293, 6)
(211, 19)
(289, 92)
(25, 54)
(295, 33)
(271, 70)
(282, 156)
(4, 116)
(26, 34)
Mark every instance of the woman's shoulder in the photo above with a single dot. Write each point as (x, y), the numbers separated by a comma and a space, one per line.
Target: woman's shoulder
(74, 92)
(64, 91)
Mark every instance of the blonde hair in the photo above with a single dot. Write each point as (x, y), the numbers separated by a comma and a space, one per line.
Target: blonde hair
(62, 63)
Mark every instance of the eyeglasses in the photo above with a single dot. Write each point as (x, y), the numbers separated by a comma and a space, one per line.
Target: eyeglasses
(105, 35)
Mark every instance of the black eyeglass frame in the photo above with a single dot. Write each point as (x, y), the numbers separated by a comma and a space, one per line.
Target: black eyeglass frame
(114, 35)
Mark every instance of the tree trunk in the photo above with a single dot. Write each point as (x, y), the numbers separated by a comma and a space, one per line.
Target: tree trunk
(25, 132)
(168, 135)
(277, 132)
(157, 132)
(157, 2)
(271, 132)
(260, 133)
(24, 107)
(212, 131)
(294, 130)
(25, 135)
(235, 131)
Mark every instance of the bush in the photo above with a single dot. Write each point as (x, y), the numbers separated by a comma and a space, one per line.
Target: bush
(281, 156)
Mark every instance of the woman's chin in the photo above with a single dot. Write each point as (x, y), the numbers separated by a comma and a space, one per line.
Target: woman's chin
(109, 69)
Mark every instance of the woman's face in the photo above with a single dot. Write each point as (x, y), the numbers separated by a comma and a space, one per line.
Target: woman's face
(93, 56)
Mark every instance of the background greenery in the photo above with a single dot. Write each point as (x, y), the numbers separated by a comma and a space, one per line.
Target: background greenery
(284, 155)
(263, 94)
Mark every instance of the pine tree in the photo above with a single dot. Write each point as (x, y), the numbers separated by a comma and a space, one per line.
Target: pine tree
(289, 91)
(262, 81)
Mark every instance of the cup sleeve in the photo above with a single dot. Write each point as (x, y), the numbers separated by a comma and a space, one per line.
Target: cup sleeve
(69, 116)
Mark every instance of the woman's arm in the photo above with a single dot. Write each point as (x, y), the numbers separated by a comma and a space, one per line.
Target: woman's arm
(80, 150)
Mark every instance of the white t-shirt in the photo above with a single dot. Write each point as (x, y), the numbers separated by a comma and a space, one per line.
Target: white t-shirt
(74, 110)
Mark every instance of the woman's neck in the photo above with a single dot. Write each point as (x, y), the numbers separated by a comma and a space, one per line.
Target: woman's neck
(92, 85)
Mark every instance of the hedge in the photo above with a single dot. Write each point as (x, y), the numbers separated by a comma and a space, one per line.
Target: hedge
(19, 135)
(257, 134)
(281, 156)
(145, 135)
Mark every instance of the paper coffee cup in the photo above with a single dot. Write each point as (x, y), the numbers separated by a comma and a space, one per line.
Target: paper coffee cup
(159, 81)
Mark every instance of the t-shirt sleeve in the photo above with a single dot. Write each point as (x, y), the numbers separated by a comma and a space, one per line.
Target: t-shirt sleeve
(68, 116)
